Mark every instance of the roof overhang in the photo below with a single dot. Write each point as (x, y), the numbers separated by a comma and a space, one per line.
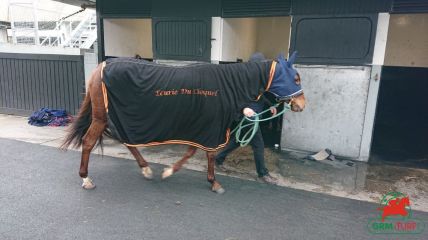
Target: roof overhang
(78, 3)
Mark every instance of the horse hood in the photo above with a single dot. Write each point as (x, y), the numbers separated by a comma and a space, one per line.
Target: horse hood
(283, 85)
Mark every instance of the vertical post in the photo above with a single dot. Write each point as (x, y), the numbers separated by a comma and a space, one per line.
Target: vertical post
(100, 33)
(216, 39)
(12, 23)
(69, 34)
(378, 61)
(36, 24)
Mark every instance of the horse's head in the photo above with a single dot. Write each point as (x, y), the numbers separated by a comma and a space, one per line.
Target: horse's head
(286, 84)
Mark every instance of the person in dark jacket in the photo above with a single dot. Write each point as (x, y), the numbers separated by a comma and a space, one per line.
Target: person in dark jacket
(257, 143)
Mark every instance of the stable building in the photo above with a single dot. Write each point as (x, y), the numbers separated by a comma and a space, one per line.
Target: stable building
(363, 63)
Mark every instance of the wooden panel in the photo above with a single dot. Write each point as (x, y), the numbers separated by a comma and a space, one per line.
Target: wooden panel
(410, 6)
(316, 7)
(344, 40)
(125, 8)
(182, 39)
(186, 8)
(31, 81)
(255, 8)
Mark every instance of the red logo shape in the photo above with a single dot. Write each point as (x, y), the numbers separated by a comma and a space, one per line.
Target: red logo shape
(395, 207)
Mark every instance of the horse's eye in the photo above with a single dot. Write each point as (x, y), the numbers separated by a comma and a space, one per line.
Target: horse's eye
(297, 79)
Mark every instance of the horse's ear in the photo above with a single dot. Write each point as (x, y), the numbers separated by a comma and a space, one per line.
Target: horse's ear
(292, 58)
(281, 59)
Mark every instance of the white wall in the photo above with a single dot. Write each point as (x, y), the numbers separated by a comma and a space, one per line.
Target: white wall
(273, 35)
(335, 111)
(241, 37)
(127, 37)
(407, 43)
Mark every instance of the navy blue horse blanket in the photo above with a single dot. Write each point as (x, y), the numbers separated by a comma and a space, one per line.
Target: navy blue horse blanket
(151, 104)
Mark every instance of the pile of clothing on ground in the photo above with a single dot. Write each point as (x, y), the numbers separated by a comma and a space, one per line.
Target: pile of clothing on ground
(50, 117)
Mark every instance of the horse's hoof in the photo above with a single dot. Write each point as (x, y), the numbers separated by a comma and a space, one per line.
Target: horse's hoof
(219, 190)
(147, 172)
(167, 172)
(216, 187)
(88, 184)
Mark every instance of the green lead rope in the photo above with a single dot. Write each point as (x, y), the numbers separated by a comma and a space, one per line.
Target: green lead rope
(253, 126)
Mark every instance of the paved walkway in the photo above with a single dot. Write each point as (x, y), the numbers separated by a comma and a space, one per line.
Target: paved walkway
(359, 181)
(41, 198)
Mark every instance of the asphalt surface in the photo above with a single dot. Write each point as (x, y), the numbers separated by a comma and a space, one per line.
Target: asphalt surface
(41, 198)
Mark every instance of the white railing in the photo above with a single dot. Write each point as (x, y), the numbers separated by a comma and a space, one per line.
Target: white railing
(85, 34)
(61, 33)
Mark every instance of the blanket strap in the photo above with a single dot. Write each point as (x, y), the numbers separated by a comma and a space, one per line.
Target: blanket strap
(182, 142)
(103, 87)
(271, 73)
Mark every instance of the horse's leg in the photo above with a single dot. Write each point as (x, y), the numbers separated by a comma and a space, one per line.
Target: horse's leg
(89, 140)
(215, 186)
(97, 127)
(177, 166)
(145, 169)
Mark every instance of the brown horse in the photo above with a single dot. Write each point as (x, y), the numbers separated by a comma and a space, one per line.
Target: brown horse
(92, 122)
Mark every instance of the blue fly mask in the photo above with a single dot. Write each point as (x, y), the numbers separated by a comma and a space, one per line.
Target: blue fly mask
(284, 85)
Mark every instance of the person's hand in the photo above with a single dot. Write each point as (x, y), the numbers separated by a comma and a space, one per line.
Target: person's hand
(248, 112)
(273, 110)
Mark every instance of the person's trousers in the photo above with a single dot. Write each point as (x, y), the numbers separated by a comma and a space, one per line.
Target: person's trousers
(257, 145)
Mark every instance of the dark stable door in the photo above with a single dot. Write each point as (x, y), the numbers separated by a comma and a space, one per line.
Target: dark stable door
(182, 39)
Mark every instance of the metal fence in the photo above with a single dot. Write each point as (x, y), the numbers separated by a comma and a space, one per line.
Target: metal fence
(31, 81)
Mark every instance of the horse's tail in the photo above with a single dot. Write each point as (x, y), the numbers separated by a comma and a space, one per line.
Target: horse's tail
(80, 125)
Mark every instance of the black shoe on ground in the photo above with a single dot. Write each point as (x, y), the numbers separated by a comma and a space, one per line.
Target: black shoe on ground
(268, 179)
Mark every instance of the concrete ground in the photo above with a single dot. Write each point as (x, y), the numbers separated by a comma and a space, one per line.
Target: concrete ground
(41, 198)
(360, 181)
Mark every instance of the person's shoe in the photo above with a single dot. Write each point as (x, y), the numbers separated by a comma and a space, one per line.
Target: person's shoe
(268, 179)
(219, 164)
(220, 167)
